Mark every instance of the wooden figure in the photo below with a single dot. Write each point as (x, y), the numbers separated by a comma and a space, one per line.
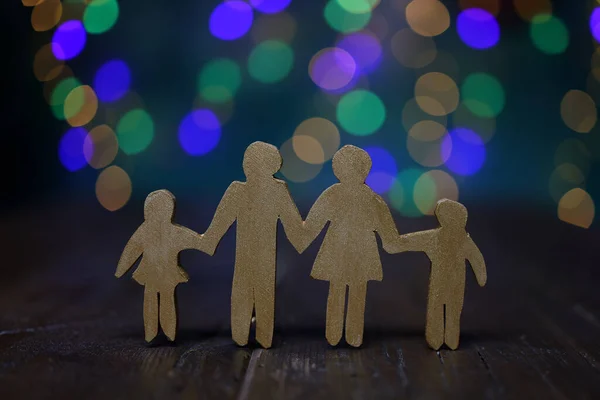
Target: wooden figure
(256, 205)
(447, 247)
(349, 256)
(158, 241)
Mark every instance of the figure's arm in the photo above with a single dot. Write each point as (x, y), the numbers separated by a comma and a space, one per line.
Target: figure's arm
(189, 239)
(317, 217)
(225, 216)
(291, 219)
(475, 258)
(386, 227)
(416, 241)
(132, 252)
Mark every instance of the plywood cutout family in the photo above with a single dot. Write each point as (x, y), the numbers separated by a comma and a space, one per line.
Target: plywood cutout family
(348, 257)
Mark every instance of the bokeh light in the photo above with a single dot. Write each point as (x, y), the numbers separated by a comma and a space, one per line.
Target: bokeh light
(383, 171)
(464, 151)
(31, 3)
(577, 208)
(50, 85)
(378, 25)
(231, 20)
(595, 23)
(46, 15)
(491, 6)
(358, 6)
(573, 151)
(343, 20)
(293, 168)
(332, 68)
(135, 131)
(280, 27)
(199, 132)
(223, 111)
(100, 16)
(427, 17)
(465, 118)
(427, 130)
(324, 132)
(402, 193)
(527, 9)
(565, 177)
(59, 95)
(271, 61)
(365, 49)
(578, 111)
(424, 143)
(114, 111)
(100, 147)
(433, 186)
(219, 80)
(477, 28)
(549, 34)
(112, 81)
(436, 93)
(80, 106)
(69, 40)
(113, 188)
(270, 6)
(483, 95)
(70, 149)
(360, 112)
(45, 64)
(413, 50)
(413, 114)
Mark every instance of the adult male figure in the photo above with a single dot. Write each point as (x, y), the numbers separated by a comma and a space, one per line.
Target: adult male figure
(256, 205)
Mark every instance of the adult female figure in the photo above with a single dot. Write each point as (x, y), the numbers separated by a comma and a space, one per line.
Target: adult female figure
(349, 256)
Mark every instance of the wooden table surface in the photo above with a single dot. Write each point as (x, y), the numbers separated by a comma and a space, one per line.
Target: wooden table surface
(69, 329)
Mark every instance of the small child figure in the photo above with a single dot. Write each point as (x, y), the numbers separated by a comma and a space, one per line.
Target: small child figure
(160, 240)
(447, 247)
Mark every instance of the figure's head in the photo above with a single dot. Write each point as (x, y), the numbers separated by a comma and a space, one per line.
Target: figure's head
(261, 160)
(451, 214)
(159, 205)
(351, 164)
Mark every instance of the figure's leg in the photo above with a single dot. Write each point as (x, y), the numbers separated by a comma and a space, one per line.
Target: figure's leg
(264, 295)
(335, 312)
(434, 326)
(150, 313)
(168, 313)
(452, 328)
(242, 304)
(355, 318)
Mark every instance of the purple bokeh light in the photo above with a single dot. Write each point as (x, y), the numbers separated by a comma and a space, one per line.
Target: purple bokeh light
(112, 81)
(384, 170)
(477, 28)
(270, 6)
(68, 40)
(332, 69)
(231, 20)
(464, 151)
(364, 48)
(595, 23)
(199, 132)
(70, 149)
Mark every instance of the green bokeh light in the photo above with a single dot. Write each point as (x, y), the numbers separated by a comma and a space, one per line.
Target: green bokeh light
(360, 112)
(270, 61)
(135, 131)
(483, 95)
(344, 21)
(549, 34)
(401, 194)
(425, 193)
(219, 80)
(100, 16)
(357, 6)
(76, 100)
(60, 93)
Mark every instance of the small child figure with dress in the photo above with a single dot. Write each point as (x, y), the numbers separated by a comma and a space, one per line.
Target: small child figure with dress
(158, 241)
(447, 247)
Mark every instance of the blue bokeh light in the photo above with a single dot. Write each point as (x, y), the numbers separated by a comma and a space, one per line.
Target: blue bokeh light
(199, 132)
(464, 151)
(595, 23)
(270, 6)
(383, 171)
(364, 48)
(68, 40)
(70, 149)
(231, 20)
(477, 28)
(112, 81)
